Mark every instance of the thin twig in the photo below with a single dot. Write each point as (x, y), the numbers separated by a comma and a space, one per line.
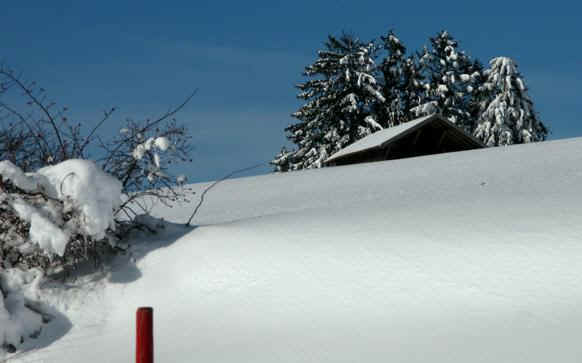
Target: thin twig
(40, 105)
(88, 138)
(215, 183)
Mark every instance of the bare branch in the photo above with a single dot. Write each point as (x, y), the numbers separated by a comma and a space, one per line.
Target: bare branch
(216, 183)
(107, 115)
(40, 105)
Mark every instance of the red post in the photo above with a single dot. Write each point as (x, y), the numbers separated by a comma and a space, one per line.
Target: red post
(144, 345)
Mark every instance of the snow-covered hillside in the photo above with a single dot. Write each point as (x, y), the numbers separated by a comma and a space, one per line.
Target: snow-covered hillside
(462, 257)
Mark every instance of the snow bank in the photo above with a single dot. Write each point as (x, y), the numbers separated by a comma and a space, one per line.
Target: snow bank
(19, 292)
(462, 257)
(78, 187)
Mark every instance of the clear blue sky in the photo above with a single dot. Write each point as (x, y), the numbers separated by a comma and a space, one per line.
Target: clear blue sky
(245, 57)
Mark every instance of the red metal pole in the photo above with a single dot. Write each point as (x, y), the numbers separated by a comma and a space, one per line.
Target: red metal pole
(144, 347)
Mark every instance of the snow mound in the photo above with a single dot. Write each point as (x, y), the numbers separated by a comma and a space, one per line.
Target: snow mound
(462, 257)
(19, 320)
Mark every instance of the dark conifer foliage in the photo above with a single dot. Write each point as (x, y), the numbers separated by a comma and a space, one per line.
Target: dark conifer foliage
(341, 100)
(452, 77)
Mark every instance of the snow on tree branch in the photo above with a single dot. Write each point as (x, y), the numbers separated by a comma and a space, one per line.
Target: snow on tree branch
(508, 117)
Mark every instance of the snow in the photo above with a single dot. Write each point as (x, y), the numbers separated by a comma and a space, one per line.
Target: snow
(43, 231)
(139, 152)
(11, 172)
(370, 120)
(89, 190)
(521, 84)
(393, 39)
(442, 88)
(162, 143)
(463, 257)
(16, 320)
(375, 93)
(425, 109)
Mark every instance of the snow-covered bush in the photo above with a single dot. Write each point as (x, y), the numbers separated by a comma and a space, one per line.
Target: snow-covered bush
(57, 215)
(140, 157)
(57, 207)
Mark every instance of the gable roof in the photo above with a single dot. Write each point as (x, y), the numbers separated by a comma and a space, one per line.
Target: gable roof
(384, 137)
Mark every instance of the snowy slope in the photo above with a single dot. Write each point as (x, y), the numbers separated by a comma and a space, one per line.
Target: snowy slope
(462, 257)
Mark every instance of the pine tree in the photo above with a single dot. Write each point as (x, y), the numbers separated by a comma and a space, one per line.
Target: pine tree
(342, 96)
(509, 118)
(479, 94)
(403, 83)
(393, 111)
(414, 88)
(452, 77)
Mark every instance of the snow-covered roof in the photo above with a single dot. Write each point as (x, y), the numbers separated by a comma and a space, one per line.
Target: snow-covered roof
(383, 137)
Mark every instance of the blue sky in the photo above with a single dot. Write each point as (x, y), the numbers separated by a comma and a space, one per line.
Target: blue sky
(245, 57)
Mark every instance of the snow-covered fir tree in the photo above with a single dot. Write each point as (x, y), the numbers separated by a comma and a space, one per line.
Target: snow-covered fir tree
(341, 98)
(393, 111)
(415, 93)
(452, 78)
(509, 117)
(402, 82)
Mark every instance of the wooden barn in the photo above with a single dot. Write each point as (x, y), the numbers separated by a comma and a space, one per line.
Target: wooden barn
(427, 135)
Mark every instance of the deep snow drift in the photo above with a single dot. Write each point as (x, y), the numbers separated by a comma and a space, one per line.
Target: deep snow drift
(462, 257)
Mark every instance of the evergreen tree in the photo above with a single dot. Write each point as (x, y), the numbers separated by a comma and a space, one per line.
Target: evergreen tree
(403, 82)
(509, 117)
(414, 88)
(480, 95)
(342, 96)
(393, 111)
(452, 77)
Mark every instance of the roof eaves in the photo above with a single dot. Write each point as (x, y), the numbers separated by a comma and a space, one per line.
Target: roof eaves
(409, 130)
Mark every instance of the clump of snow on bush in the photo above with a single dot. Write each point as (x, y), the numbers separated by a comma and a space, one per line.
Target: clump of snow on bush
(75, 187)
(43, 231)
(20, 317)
(13, 173)
(82, 185)
(162, 143)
